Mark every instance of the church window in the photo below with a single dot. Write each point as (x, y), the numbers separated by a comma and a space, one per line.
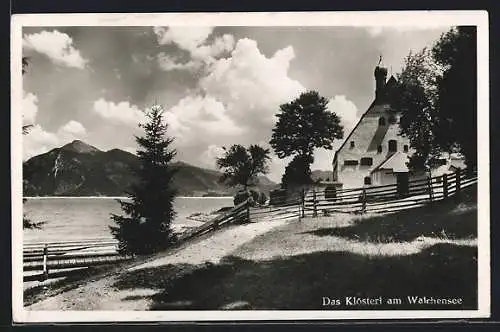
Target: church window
(405, 148)
(350, 162)
(392, 119)
(368, 180)
(352, 144)
(393, 146)
(366, 161)
(381, 121)
(379, 149)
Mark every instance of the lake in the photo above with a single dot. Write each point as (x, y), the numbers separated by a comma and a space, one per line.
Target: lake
(79, 218)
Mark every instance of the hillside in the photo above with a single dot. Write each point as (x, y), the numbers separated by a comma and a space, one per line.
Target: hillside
(79, 169)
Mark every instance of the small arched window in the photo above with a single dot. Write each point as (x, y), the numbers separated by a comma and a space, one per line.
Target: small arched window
(405, 148)
(393, 146)
(381, 121)
(368, 180)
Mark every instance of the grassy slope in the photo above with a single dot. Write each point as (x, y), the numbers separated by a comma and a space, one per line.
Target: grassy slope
(300, 281)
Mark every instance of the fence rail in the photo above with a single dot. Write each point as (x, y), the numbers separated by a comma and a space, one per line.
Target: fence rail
(374, 199)
(54, 259)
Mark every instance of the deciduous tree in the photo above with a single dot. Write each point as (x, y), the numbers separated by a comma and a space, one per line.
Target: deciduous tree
(303, 125)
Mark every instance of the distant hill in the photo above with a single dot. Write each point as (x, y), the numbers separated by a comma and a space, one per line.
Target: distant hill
(79, 169)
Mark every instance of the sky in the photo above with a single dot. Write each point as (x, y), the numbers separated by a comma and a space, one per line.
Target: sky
(218, 85)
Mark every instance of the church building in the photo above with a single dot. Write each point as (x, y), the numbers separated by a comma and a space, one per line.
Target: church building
(375, 153)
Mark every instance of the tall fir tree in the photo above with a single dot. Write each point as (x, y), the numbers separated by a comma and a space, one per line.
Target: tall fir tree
(146, 226)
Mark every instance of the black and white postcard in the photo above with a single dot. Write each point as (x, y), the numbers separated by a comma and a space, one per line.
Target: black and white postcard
(250, 166)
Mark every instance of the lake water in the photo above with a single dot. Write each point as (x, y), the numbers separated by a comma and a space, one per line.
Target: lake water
(73, 219)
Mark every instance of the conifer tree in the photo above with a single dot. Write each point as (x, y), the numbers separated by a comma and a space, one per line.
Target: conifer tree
(146, 226)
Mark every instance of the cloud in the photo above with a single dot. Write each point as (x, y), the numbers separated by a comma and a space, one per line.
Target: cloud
(57, 46)
(251, 85)
(73, 128)
(168, 63)
(197, 119)
(30, 108)
(38, 140)
(210, 155)
(122, 112)
(186, 37)
(346, 110)
(193, 40)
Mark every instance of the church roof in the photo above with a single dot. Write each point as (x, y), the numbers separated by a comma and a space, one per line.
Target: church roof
(396, 162)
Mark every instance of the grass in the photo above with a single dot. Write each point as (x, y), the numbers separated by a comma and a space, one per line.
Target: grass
(449, 220)
(71, 281)
(300, 282)
(293, 267)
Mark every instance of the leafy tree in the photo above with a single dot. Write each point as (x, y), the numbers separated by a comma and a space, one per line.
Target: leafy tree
(438, 98)
(417, 99)
(241, 165)
(455, 51)
(303, 125)
(146, 226)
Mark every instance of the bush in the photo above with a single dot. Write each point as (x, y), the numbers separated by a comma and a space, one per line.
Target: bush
(243, 195)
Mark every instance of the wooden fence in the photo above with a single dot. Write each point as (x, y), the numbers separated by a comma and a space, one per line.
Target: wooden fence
(55, 259)
(314, 202)
(386, 198)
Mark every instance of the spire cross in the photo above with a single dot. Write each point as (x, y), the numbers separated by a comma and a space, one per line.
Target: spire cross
(380, 60)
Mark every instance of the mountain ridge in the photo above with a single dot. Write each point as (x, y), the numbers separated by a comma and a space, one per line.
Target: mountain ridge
(78, 169)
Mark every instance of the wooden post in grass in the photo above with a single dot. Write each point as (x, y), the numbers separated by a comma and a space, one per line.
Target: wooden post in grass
(429, 187)
(45, 272)
(457, 181)
(315, 211)
(303, 197)
(248, 210)
(363, 201)
(445, 185)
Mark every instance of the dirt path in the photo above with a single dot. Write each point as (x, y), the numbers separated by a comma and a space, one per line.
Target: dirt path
(102, 295)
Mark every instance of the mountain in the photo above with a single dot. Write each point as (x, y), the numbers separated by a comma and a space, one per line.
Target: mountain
(79, 169)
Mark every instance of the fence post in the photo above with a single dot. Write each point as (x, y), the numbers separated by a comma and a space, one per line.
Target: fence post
(445, 185)
(429, 187)
(315, 211)
(457, 181)
(303, 201)
(363, 201)
(248, 210)
(45, 258)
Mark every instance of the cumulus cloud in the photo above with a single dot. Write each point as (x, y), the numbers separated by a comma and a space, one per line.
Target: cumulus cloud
(30, 108)
(346, 110)
(193, 40)
(73, 128)
(168, 63)
(197, 119)
(252, 85)
(122, 112)
(57, 46)
(38, 140)
(210, 155)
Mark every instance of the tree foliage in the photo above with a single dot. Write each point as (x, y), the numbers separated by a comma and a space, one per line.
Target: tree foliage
(438, 98)
(241, 166)
(303, 125)
(146, 226)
